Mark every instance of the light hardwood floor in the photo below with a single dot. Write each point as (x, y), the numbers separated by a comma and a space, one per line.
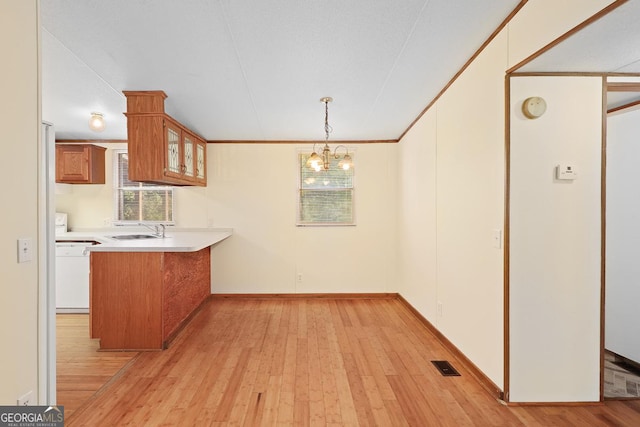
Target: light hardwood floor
(330, 362)
(80, 369)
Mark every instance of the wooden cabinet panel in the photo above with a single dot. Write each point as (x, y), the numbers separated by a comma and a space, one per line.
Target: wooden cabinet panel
(161, 150)
(140, 300)
(187, 282)
(80, 164)
(126, 300)
(145, 101)
(146, 148)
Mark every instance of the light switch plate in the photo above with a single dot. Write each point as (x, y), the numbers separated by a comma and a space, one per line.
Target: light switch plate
(25, 250)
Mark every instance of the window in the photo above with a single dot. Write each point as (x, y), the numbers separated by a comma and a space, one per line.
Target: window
(139, 201)
(325, 197)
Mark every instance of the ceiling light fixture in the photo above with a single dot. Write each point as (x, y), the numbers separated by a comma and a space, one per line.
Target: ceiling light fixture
(96, 122)
(323, 162)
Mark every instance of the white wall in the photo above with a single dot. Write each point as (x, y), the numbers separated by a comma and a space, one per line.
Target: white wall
(451, 191)
(470, 206)
(541, 22)
(20, 123)
(622, 328)
(554, 242)
(450, 202)
(252, 188)
(417, 246)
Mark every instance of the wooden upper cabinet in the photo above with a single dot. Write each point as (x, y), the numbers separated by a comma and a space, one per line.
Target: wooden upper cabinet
(80, 164)
(161, 150)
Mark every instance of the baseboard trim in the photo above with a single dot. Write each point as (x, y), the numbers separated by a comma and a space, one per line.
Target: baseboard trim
(309, 296)
(516, 404)
(484, 381)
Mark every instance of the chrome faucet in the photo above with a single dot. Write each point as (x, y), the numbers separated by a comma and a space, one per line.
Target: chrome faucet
(158, 229)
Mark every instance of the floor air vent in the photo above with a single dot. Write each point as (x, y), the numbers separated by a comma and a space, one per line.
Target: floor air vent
(445, 368)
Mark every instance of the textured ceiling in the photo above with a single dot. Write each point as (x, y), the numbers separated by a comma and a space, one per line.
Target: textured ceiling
(240, 70)
(610, 44)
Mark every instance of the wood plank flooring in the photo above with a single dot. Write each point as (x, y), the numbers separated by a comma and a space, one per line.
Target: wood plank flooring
(299, 362)
(80, 369)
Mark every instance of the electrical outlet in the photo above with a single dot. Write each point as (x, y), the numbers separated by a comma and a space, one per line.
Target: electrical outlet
(299, 277)
(106, 222)
(439, 309)
(26, 399)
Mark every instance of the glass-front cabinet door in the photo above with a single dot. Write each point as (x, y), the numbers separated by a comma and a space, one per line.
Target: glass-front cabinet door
(201, 158)
(188, 147)
(173, 163)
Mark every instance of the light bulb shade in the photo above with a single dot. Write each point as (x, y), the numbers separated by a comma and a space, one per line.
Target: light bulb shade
(314, 160)
(96, 122)
(346, 163)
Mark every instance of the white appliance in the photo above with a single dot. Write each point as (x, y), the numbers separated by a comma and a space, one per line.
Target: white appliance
(72, 277)
(72, 271)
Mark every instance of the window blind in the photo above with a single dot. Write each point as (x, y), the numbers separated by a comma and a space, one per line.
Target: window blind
(139, 201)
(325, 196)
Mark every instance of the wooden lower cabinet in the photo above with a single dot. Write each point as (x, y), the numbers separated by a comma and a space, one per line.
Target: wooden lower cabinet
(139, 300)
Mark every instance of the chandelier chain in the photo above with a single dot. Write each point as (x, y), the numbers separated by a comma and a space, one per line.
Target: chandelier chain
(327, 129)
(317, 162)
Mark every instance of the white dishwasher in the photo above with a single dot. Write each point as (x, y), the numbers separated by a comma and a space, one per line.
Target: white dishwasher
(72, 277)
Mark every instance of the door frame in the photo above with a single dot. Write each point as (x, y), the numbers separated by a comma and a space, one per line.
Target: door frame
(617, 82)
(46, 267)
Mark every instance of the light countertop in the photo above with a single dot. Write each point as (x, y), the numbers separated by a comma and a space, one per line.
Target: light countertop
(179, 240)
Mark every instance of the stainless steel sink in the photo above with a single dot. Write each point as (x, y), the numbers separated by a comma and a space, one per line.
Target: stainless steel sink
(134, 236)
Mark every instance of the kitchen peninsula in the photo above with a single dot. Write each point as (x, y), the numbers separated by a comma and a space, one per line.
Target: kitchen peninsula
(142, 290)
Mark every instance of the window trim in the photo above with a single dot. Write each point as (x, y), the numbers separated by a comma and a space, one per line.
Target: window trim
(299, 189)
(116, 188)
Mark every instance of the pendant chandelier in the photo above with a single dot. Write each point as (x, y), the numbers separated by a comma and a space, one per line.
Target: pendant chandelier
(323, 162)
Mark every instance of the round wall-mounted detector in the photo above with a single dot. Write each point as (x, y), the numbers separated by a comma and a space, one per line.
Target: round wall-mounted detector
(534, 107)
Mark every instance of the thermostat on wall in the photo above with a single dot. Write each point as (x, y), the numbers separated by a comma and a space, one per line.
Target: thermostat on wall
(566, 172)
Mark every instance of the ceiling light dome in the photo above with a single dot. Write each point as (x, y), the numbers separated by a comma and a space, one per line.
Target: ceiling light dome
(96, 122)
